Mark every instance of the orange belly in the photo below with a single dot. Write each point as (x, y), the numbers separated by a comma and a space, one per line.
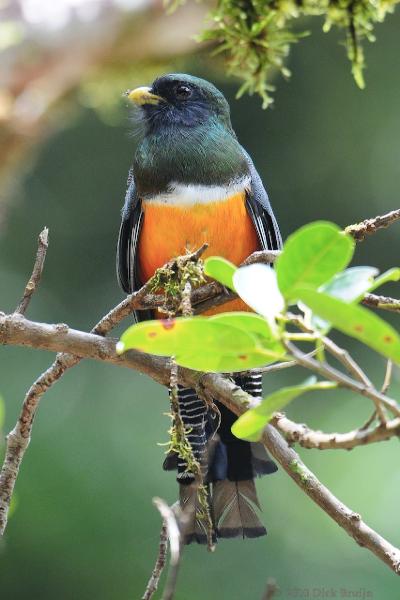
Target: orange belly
(169, 230)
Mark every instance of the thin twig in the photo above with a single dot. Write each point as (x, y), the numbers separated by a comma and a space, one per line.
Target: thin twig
(354, 369)
(382, 302)
(369, 226)
(30, 288)
(19, 438)
(237, 400)
(388, 377)
(368, 422)
(154, 580)
(310, 438)
(270, 590)
(174, 537)
(344, 357)
(334, 375)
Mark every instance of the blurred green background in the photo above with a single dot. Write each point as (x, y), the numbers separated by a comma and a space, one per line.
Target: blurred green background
(84, 526)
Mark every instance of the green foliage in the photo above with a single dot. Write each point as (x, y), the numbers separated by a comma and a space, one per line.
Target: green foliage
(248, 322)
(312, 256)
(224, 343)
(220, 269)
(356, 321)
(309, 271)
(256, 35)
(390, 275)
(256, 285)
(351, 285)
(251, 424)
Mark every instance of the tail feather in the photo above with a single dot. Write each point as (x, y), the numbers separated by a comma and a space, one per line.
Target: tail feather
(196, 527)
(193, 412)
(228, 466)
(261, 460)
(235, 506)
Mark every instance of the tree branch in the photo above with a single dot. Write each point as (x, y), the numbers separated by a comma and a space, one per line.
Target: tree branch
(343, 380)
(370, 226)
(309, 438)
(74, 345)
(235, 399)
(174, 535)
(18, 439)
(34, 280)
(154, 580)
(222, 389)
(382, 302)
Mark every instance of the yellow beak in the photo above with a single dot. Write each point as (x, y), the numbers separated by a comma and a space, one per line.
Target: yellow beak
(143, 95)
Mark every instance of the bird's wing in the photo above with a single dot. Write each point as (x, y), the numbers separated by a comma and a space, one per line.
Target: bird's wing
(127, 263)
(261, 212)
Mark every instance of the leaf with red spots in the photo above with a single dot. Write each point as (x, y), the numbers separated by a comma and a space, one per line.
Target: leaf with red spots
(234, 342)
(219, 362)
(251, 424)
(356, 321)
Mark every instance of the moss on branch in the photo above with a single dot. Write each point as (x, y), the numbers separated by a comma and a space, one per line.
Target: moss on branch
(256, 35)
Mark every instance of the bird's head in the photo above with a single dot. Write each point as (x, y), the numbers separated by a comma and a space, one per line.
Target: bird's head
(180, 100)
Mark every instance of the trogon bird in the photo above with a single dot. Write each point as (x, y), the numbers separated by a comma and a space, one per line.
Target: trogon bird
(192, 182)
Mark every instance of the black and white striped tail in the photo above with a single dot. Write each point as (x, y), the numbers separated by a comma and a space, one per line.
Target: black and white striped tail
(193, 412)
(229, 466)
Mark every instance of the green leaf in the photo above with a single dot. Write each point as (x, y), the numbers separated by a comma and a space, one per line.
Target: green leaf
(173, 337)
(257, 286)
(220, 269)
(225, 343)
(390, 275)
(248, 322)
(214, 362)
(312, 256)
(356, 321)
(349, 285)
(250, 425)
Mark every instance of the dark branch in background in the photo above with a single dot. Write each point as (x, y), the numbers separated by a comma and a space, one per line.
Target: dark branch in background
(74, 345)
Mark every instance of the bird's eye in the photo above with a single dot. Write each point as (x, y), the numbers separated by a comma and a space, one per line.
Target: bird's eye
(183, 91)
